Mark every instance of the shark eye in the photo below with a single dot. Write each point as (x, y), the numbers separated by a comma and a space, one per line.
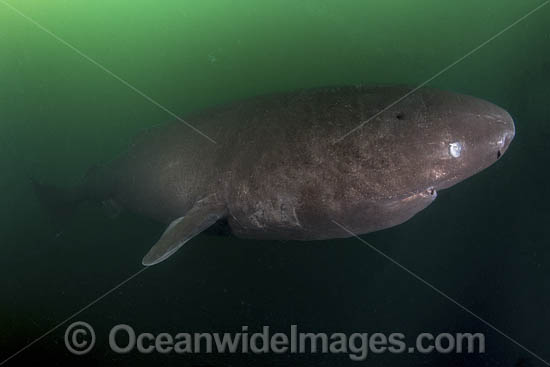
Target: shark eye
(455, 149)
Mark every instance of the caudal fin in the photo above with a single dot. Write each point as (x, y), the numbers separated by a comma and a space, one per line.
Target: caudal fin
(59, 202)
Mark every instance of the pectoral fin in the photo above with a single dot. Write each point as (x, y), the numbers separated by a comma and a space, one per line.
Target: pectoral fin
(182, 229)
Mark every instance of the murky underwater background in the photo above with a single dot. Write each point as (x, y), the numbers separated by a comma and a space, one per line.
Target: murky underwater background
(483, 243)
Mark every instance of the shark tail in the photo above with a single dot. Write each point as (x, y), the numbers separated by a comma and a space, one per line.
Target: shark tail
(59, 202)
(62, 203)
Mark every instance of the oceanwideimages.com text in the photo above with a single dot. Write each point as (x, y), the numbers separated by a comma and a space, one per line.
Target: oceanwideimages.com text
(358, 346)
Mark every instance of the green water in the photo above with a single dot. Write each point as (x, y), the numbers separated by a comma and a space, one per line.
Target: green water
(484, 242)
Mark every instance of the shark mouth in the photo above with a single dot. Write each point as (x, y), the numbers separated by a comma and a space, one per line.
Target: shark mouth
(431, 191)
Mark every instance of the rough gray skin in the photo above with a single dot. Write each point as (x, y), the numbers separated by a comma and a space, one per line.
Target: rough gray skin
(279, 170)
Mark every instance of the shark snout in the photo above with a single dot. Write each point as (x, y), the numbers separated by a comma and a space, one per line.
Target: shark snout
(507, 133)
